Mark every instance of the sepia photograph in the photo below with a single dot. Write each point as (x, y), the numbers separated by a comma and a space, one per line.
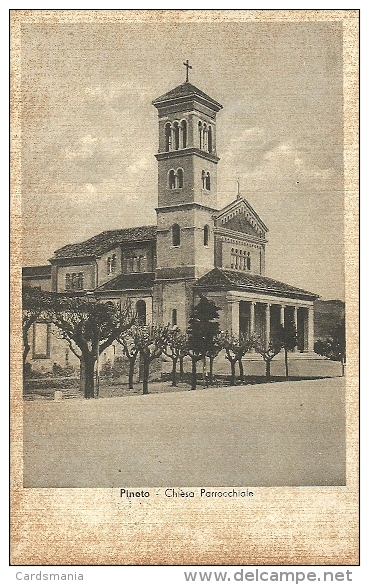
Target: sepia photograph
(183, 254)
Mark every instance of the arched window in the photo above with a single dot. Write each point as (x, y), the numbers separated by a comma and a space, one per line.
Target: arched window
(167, 137)
(207, 182)
(141, 312)
(203, 179)
(172, 179)
(205, 137)
(200, 135)
(210, 140)
(184, 133)
(248, 260)
(174, 317)
(176, 135)
(179, 178)
(176, 235)
(206, 235)
(113, 263)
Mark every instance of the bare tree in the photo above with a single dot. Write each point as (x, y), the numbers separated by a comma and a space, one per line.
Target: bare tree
(149, 341)
(131, 351)
(89, 326)
(235, 348)
(175, 349)
(268, 352)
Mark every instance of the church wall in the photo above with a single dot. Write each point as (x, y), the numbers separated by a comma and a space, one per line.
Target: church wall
(174, 297)
(169, 256)
(54, 349)
(102, 263)
(203, 196)
(255, 250)
(204, 255)
(41, 283)
(185, 194)
(88, 271)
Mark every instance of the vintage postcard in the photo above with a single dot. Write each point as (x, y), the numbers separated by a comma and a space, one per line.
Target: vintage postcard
(184, 287)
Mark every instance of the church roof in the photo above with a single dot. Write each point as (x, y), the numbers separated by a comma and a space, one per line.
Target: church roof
(185, 90)
(219, 279)
(105, 241)
(135, 281)
(43, 271)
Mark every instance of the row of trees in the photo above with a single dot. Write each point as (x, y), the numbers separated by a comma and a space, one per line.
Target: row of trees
(90, 326)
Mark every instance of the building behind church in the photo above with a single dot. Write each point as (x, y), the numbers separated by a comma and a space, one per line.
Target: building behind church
(195, 248)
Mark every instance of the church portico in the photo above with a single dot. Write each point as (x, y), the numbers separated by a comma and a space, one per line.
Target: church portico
(261, 316)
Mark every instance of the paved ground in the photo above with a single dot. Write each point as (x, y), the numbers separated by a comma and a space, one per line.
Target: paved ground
(290, 433)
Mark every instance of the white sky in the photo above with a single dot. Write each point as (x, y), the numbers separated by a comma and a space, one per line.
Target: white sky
(90, 132)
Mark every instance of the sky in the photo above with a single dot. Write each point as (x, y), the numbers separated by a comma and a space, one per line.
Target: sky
(89, 132)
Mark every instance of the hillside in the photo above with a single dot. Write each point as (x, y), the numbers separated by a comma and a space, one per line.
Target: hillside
(326, 315)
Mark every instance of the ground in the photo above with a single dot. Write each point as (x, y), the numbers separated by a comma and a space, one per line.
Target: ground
(286, 434)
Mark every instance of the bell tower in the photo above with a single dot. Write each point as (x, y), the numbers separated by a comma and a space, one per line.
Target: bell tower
(187, 182)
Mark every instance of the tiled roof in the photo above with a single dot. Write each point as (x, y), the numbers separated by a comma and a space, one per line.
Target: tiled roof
(134, 281)
(37, 271)
(219, 279)
(106, 241)
(185, 90)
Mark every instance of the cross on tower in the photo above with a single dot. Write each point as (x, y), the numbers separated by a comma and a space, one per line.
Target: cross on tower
(186, 64)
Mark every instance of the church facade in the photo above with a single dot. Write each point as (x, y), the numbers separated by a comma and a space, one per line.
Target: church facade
(195, 248)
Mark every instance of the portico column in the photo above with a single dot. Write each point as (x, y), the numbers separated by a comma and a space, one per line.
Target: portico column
(310, 346)
(234, 317)
(295, 322)
(252, 317)
(267, 324)
(282, 315)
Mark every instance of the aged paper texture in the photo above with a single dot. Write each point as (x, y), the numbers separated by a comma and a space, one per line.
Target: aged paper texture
(282, 87)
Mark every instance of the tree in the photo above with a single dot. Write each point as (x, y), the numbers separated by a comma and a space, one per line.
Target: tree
(235, 348)
(131, 351)
(334, 347)
(89, 326)
(35, 306)
(212, 353)
(202, 330)
(149, 341)
(175, 349)
(287, 336)
(268, 352)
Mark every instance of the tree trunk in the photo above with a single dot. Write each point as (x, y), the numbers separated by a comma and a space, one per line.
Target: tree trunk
(87, 376)
(174, 372)
(286, 362)
(240, 365)
(204, 373)
(141, 368)
(194, 374)
(82, 375)
(181, 373)
(211, 369)
(145, 380)
(233, 373)
(132, 361)
(267, 369)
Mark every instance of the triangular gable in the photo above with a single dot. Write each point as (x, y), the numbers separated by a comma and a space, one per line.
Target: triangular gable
(239, 223)
(240, 216)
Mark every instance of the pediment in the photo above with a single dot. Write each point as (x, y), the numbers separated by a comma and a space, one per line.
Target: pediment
(239, 223)
(240, 217)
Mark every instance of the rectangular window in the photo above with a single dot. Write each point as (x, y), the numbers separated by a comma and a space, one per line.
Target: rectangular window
(174, 317)
(67, 282)
(80, 281)
(41, 341)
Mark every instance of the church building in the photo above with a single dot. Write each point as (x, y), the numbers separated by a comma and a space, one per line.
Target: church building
(195, 248)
